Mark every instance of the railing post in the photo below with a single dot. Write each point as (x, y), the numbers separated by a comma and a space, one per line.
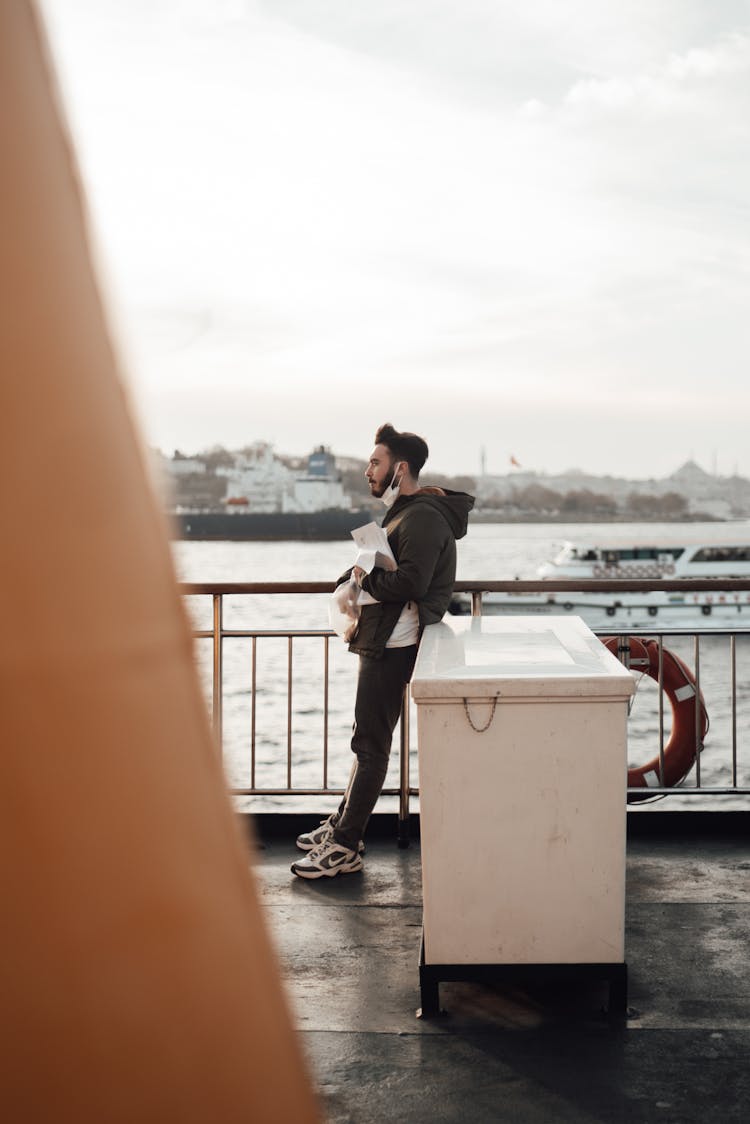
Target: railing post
(698, 720)
(403, 806)
(326, 682)
(661, 711)
(733, 687)
(289, 712)
(218, 685)
(253, 707)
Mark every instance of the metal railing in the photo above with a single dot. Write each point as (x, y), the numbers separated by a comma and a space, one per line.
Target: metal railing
(218, 634)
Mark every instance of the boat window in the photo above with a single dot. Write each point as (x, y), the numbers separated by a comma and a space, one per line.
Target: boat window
(722, 554)
(650, 553)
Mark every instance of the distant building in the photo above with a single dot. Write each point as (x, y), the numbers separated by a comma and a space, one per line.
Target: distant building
(260, 482)
(320, 487)
(184, 466)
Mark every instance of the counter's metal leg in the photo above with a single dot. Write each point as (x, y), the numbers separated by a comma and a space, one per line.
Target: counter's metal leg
(618, 991)
(429, 988)
(404, 784)
(429, 992)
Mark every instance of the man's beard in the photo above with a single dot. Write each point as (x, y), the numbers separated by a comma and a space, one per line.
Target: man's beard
(378, 490)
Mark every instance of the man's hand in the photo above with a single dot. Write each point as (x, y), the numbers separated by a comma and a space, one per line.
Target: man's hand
(359, 575)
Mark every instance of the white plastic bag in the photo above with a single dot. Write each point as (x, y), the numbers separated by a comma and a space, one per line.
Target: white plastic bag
(347, 598)
(343, 609)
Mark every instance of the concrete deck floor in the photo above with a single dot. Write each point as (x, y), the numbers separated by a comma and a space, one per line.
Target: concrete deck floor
(349, 949)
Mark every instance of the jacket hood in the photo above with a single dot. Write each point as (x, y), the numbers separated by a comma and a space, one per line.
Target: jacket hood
(453, 506)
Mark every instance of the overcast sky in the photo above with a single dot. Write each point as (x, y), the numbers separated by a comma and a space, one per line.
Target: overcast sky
(516, 225)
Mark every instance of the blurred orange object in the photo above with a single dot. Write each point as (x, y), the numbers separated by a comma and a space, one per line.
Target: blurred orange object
(137, 982)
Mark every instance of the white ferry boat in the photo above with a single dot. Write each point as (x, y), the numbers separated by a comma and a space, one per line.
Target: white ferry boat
(675, 608)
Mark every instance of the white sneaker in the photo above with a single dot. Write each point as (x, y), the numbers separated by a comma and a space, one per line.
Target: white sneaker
(328, 860)
(309, 840)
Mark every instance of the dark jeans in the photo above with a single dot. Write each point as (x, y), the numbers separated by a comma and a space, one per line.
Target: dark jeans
(380, 690)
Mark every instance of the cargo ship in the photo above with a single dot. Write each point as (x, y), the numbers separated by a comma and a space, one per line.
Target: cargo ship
(265, 500)
(244, 526)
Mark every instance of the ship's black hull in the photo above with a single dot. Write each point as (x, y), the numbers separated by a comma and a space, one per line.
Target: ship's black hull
(316, 526)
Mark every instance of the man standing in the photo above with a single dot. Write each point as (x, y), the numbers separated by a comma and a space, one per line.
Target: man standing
(422, 526)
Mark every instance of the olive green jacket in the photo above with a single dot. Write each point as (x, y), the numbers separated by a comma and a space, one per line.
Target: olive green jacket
(422, 531)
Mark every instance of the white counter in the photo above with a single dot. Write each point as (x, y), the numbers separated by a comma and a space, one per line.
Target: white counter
(522, 822)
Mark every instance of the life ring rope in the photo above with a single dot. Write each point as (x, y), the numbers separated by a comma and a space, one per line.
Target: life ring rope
(690, 720)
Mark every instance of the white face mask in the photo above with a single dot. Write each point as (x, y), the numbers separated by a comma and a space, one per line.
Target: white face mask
(390, 495)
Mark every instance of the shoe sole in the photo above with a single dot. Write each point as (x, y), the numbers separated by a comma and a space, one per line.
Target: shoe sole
(346, 868)
(311, 846)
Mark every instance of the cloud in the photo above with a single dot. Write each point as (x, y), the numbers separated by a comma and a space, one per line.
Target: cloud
(728, 57)
(671, 88)
(446, 204)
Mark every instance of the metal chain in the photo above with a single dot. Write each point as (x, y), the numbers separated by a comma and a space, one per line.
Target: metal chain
(488, 723)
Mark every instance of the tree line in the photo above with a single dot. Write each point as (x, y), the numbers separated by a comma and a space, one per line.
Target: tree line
(539, 500)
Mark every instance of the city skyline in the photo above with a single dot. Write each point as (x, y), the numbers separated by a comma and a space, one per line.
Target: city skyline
(485, 466)
(522, 229)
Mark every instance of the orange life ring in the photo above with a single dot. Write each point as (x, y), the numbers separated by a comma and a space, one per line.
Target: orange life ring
(688, 727)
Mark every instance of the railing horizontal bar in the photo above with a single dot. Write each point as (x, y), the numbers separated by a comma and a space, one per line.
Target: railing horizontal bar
(248, 633)
(513, 585)
(646, 794)
(256, 587)
(632, 630)
(307, 792)
(600, 585)
(604, 630)
(682, 791)
(656, 791)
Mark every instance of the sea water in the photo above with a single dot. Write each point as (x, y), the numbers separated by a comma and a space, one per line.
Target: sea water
(289, 732)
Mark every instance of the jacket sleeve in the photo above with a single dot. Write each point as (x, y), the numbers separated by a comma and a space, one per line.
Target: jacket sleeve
(421, 541)
(344, 577)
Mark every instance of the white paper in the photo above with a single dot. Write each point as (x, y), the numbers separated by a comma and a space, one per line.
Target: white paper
(374, 550)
